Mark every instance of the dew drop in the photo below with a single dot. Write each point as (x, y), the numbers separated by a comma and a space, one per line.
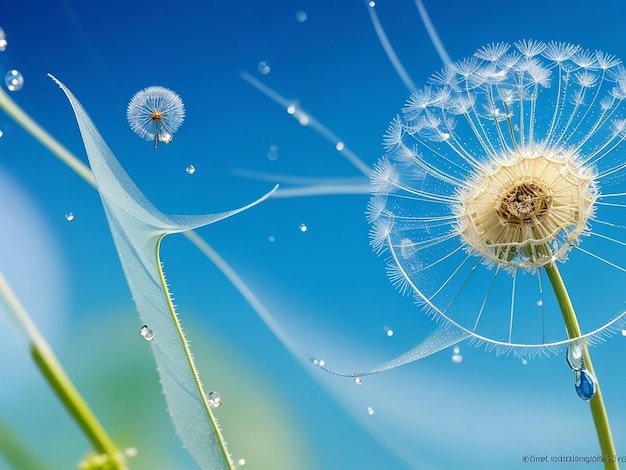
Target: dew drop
(585, 384)
(190, 169)
(69, 216)
(272, 153)
(357, 381)
(456, 350)
(370, 410)
(241, 462)
(388, 331)
(303, 119)
(130, 452)
(539, 303)
(264, 67)
(3, 40)
(14, 80)
(524, 361)
(371, 4)
(1, 133)
(623, 332)
(340, 146)
(457, 358)
(318, 362)
(291, 109)
(214, 399)
(146, 333)
(166, 137)
(574, 356)
(301, 16)
(271, 239)
(303, 228)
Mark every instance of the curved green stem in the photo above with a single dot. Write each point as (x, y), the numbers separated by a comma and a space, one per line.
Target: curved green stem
(61, 384)
(598, 411)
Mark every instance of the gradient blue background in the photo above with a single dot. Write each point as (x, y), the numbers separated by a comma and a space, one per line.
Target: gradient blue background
(325, 286)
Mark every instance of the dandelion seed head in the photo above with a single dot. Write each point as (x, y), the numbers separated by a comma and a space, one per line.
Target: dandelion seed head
(155, 113)
(504, 163)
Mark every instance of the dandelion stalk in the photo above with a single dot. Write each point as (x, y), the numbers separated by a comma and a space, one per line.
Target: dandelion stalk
(109, 455)
(598, 411)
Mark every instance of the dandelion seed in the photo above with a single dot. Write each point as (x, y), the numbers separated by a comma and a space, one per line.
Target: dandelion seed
(509, 165)
(155, 113)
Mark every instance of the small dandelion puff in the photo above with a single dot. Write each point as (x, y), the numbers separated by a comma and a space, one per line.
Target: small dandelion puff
(505, 164)
(155, 113)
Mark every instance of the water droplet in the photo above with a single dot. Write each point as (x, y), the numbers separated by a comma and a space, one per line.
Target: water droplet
(574, 356)
(370, 410)
(388, 331)
(213, 399)
(146, 333)
(301, 16)
(1, 133)
(291, 109)
(272, 153)
(372, 4)
(69, 216)
(457, 358)
(623, 332)
(539, 303)
(14, 80)
(130, 452)
(524, 361)
(340, 146)
(264, 67)
(456, 350)
(303, 119)
(319, 362)
(357, 380)
(303, 228)
(585, 384)
(3, 40)
(166, 137)
(241, 462)
(190, 169)
(271, 239)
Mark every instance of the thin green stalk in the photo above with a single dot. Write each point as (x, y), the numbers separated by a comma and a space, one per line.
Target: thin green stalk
(61, 384)
(598, 411)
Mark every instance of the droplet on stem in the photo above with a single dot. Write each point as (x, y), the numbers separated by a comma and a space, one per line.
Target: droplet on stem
(574, 356)
(214, 399)
(358, 381)
(585, 384)
(146, 333)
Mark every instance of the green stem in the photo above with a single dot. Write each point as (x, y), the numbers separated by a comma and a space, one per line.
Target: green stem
(60, 382)
(598, 411)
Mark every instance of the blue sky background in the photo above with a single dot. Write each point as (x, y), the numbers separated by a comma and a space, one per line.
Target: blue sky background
(324, 286)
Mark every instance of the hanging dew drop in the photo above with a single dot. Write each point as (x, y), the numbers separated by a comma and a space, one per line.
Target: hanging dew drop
(69, 216)
(303, 228)
(457, 358)
(574, 356)
(146, 333)
(190, 169)
(388, 331)
(370, 410)
(14, 80)
(585, 384)
(264, 67)
(165, 137)
(358, 381)
(214, 399)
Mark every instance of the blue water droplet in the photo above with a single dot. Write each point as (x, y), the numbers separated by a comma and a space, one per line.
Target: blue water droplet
(585, 384)
(574, 356)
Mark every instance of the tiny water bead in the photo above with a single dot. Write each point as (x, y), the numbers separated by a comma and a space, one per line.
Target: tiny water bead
(3, 40)
(14, 80)
(340, 146)
(388, 331)
(370, 410)
(272, 153)
(318, 362)
(457, 358)
(585, 384)
(190, 169)
(146, 333)
(271, 239)
(264, 67)
(358, 381)
(241, 462)
(214, 399)
(574, 356)
(303, 228)
(69, 216)
(301, 16)
(1, 133)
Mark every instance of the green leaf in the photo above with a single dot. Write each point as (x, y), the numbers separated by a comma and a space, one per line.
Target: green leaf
(138, 228)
